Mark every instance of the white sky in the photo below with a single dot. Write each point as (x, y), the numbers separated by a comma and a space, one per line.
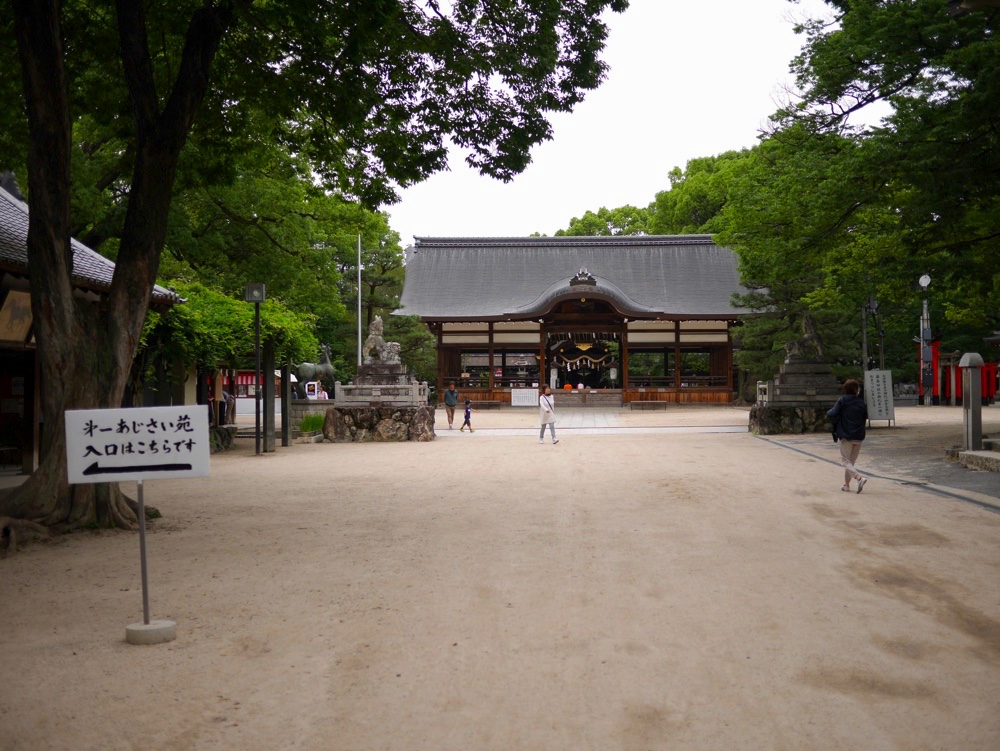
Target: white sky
(686, 80)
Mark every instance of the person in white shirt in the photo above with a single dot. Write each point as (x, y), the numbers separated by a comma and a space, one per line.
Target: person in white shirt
(547, 413)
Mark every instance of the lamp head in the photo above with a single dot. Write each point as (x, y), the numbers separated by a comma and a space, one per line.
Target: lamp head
(254, 293)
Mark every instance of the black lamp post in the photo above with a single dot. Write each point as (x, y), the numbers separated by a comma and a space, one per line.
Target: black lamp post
(255, 293)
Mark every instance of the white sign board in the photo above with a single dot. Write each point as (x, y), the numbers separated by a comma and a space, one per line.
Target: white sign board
(110, 445)
(878, 395)
(524, 397)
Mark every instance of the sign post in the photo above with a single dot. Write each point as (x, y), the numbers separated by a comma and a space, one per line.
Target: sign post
(878, 395)
(112, 445)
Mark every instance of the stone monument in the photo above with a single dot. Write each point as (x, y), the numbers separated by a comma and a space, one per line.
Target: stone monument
(384, 403)
(797, 400)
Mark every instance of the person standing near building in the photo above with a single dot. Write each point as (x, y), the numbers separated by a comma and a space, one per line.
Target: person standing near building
(547, 414)
(849, 416)
(450, 403)
(227, 408)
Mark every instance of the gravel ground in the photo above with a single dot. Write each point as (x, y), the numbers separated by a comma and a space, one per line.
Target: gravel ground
(661, 580)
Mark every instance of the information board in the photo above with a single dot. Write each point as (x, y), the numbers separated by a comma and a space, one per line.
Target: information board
(111, 445)
(878, 395)
(524, 397)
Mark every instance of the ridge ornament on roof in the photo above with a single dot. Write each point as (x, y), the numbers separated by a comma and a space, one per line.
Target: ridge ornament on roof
(584, 278)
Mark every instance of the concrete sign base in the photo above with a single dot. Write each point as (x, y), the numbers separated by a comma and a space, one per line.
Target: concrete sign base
(154, 632)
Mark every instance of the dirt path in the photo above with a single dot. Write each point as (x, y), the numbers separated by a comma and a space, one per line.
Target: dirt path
(653, 590)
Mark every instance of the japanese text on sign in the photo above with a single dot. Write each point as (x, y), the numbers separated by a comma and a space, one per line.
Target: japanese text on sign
(878, 395)
(106, 445)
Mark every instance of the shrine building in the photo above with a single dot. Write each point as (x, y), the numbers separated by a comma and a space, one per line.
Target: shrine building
(605, 320)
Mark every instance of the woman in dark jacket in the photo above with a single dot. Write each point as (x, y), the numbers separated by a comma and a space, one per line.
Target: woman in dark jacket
(849, 416)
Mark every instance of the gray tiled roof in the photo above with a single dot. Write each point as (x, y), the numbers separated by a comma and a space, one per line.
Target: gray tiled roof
(91, 270)
(669, 276)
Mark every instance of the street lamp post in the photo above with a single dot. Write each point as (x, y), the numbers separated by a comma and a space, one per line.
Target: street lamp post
(255, 293)
(926, 356)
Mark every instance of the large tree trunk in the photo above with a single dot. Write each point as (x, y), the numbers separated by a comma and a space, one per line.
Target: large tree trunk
(85, 351)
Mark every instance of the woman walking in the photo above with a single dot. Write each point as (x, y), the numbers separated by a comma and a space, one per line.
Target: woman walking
(547, 412)
(849, 416)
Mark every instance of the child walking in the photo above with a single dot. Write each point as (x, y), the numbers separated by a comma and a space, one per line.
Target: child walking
(468, 417)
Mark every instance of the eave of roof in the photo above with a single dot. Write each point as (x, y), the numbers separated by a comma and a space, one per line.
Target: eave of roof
(91, 270)
(671, 277)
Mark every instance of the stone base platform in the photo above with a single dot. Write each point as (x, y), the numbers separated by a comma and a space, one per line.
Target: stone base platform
(773, 419)
(378, 423)
(984, 460)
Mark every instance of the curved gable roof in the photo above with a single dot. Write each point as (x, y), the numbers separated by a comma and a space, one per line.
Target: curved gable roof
(643, 276)
(601, 289)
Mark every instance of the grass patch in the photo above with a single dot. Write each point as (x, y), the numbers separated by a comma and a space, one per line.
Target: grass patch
(312, 423)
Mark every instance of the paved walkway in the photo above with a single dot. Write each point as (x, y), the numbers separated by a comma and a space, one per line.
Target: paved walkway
(911, 452)
(593, 422)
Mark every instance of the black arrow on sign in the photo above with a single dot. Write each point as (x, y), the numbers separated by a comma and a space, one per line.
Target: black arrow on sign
(97, 469)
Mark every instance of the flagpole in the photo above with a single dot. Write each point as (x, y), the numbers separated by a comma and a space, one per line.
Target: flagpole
(359, 303)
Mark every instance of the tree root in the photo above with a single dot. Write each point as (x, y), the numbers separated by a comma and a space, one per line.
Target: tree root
(151, 511)
(8, 533)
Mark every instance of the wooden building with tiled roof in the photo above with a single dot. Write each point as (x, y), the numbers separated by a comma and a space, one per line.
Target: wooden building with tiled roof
(19, 376)
(633, 318)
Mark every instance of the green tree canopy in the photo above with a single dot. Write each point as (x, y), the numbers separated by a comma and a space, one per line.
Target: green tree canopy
(696, 196)
(217, 330)
(827, 211)
(625, 220)
(368, 93)
(935, 157)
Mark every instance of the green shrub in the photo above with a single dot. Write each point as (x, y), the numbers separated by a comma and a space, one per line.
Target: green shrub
(311, 423)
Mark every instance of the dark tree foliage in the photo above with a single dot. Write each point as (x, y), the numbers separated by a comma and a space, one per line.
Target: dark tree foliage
(369, 93)
(829, 211)
(935, 156)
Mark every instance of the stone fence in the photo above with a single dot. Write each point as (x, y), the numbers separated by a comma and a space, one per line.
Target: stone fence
(397, 394)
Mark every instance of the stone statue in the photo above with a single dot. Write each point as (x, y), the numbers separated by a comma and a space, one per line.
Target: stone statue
(809, 346)
(311, 371)
(375, 345)
(390, 353)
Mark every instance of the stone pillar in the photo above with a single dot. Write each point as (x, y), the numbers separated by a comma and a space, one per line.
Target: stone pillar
(972, 402)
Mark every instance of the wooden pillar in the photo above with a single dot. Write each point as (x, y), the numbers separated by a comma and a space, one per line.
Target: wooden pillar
(729, 357)
(440, 354)
(677, 354)
(267, 375)
(624, 354)
(286, 403)
(491, 355)
(217, 384)
(31, 427)
(542, 367)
